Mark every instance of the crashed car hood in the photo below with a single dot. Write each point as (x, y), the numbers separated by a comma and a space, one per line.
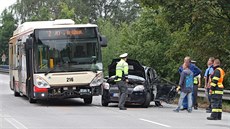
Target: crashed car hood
(135, 68)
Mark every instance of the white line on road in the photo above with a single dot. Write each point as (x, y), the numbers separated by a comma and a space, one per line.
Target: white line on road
(15, 123)
(155, 123)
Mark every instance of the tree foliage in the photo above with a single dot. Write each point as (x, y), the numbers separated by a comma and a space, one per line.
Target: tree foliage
(158, 33)
(6, 31)
(201, 27)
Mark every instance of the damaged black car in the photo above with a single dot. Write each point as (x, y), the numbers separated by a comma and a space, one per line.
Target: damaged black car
(144, 86)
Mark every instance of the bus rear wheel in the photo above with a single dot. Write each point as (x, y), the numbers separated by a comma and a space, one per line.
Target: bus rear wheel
(16, 94)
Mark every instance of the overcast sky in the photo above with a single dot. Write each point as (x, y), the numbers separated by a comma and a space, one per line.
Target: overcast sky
(6, 3)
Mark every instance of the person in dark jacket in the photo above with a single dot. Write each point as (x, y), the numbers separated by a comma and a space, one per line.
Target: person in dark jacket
(186, 87)
(196, 71)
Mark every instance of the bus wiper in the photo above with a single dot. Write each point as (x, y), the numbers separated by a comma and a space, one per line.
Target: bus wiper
(50, 70)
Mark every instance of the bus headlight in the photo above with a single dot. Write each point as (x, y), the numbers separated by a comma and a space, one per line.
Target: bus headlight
(40, 82)
(139, 88)
(98, 80)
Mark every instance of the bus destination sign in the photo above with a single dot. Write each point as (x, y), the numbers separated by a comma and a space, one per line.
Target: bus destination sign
(66, 33)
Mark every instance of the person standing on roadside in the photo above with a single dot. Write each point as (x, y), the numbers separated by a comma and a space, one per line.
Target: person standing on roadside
(196, 84)
(216, 90)
(207, 79)
(196, 71)
(3, 58)
(185, 86)
(122, 79)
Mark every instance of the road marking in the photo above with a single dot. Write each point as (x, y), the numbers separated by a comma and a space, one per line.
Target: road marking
(15, 123)
(155, 123)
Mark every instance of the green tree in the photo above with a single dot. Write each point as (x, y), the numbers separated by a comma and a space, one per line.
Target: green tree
(200, 29)
(8, 26)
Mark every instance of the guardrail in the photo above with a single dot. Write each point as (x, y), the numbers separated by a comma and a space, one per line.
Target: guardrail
(226, 96)
(4, 68)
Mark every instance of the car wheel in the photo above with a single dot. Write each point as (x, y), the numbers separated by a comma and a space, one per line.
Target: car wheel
(104, 98)
(88, 100)
(147, 100)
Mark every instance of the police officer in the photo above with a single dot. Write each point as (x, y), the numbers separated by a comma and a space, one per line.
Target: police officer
(122, 79)
(216, 91)
(196, 84)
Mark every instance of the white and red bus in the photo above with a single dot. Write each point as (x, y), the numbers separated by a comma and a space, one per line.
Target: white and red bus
(56, 59)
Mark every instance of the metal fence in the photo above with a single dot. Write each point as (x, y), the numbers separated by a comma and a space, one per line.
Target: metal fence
(226, 96)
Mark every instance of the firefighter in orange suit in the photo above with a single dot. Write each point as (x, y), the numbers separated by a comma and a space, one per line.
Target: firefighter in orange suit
(216, 91)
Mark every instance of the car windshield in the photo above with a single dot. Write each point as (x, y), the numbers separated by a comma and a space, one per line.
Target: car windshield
(67, 55)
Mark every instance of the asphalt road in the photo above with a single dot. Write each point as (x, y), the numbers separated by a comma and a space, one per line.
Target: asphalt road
(18, 113)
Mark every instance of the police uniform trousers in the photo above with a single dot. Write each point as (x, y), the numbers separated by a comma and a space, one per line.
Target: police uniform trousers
(195, 89)
(122, 86)
(216, 102)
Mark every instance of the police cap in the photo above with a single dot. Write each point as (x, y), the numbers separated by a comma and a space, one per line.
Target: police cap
(123, 55)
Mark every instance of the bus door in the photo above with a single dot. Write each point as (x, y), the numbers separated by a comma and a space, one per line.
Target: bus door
(19, 63)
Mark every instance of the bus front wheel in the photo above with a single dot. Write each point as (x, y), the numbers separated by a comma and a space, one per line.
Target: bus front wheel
(32, 100)
(88, 100)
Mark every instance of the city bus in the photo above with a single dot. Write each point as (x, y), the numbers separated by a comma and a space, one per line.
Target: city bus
(56, 59)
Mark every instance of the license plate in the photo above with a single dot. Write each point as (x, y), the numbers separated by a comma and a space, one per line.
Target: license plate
(115, 94)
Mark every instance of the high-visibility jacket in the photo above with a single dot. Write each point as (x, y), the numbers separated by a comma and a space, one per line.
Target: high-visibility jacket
(122, 68)
(196, 79)
(217, 86)
(195, 82)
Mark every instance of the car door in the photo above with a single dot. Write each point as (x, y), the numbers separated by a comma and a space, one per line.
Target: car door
(152, 77)
(166, 90)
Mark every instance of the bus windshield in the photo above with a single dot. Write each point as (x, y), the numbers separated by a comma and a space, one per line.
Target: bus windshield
(67, 55)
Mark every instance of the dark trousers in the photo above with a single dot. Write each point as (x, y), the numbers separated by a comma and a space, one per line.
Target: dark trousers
(216, 102)
(209, 98)
(195, 89)
(123, 93)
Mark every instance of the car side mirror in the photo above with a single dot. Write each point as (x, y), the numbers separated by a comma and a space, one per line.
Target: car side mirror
(103, 41)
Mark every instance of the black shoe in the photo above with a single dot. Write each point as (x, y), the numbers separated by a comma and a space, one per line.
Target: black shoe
(212, 118)
(123, 108)
(176, 110)
(195, 108)
(190, 111)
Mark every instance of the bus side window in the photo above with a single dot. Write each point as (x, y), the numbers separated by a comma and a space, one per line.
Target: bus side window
(16, 56)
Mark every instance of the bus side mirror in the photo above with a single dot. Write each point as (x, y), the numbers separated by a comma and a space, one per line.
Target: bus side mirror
(103, 41)
(29, 43)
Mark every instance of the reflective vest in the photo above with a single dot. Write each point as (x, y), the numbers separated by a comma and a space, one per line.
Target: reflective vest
(122, 68)
(217, 81)
(195, 82)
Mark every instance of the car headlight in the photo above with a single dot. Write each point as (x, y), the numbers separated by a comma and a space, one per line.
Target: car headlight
(40, 82)
(98, 80)
(139, 88)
